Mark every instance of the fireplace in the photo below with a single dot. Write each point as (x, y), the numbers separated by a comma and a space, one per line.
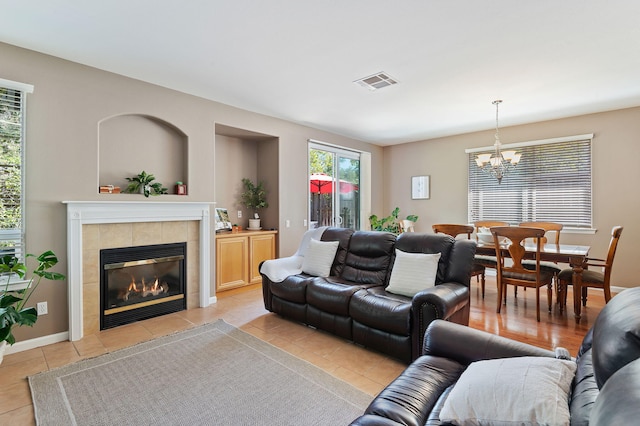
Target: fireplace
(141, 282)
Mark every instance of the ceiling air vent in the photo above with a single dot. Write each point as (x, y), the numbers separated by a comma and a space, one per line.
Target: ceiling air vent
(376, 81)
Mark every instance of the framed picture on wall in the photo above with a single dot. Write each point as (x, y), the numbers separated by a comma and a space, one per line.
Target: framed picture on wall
(223, 223)
(420, 187)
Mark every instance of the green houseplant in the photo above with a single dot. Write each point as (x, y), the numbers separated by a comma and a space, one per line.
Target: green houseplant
(12, 302)
(253, 197)
(144, 183)
(389, 223)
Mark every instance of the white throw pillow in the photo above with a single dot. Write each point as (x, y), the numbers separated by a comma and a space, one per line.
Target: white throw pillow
(318, 257)
(509, 391)
(413, 272)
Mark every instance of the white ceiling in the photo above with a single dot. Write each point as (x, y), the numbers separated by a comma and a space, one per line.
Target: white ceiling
(297, 59)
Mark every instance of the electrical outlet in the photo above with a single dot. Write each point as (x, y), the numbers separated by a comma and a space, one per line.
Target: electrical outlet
(287, 223)
(304, 223)
(42, 308)
(239, 214)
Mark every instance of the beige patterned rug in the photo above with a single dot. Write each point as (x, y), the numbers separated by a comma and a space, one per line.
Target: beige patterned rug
(214, 374)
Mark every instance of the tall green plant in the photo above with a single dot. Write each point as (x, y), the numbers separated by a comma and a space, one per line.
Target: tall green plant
(254, 197)
(12, 303)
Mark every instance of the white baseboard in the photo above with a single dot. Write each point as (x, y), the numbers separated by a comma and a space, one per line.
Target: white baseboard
(37, 342)
(616, 290)
(212, 300)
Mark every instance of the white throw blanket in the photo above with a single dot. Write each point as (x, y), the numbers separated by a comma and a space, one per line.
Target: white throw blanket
(279, 269)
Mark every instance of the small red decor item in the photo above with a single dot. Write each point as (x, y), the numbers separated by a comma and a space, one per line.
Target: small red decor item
(181, 189)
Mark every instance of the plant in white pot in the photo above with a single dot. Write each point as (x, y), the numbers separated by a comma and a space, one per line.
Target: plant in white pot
(13, 312)
(254, 197)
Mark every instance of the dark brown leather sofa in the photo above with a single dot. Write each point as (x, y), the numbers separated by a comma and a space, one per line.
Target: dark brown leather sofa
(352, 301)
(605, 388)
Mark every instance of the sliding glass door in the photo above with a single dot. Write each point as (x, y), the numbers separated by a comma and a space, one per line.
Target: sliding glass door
(334, 187)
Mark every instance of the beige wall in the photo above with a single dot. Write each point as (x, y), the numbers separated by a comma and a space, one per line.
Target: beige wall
(64, 112)
(615, 152)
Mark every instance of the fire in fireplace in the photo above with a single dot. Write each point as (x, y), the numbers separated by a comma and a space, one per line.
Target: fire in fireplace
(142, 282)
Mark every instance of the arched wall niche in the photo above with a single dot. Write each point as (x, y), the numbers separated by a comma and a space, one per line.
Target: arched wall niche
(131, 143)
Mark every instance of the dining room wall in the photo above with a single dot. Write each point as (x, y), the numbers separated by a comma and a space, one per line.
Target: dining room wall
(615, 150)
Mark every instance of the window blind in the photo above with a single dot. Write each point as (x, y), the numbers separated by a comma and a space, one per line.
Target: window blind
(551, 183)
(11, 159)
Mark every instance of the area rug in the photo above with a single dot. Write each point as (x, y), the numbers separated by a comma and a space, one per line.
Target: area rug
(214, 374)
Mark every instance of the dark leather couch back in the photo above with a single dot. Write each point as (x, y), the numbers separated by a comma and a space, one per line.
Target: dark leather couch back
(343, 236)
(368, 258)
(616, 335)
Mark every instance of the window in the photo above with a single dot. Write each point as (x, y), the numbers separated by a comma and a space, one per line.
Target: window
(551, 183)
(334, 187)
(12, 114)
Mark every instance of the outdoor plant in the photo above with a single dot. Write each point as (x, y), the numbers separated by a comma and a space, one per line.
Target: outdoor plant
(12, 303)
(144, 183)
(254, 197)
(389, 223)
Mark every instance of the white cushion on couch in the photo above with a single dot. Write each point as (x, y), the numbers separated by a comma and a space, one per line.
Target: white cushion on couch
(511, 391)
(319, 257)
(413, 272)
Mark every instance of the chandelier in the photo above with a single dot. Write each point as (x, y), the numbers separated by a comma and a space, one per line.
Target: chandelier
(500, 163)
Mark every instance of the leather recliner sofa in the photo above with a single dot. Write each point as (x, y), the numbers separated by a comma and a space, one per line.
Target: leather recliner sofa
(352, 302)
(604, 390)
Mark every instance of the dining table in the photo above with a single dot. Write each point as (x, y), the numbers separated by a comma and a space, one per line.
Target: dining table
(574, 255)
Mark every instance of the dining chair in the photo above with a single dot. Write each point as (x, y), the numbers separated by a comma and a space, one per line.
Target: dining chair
(454, 230)
(591, 278)
(516, 273)
(547, 266)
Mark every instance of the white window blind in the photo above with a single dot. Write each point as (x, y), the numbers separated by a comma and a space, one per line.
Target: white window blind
(11, 162)
(551, 183)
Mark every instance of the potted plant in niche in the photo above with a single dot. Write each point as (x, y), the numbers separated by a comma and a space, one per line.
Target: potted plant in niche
(143, 183)
(254, 197)
(12, 302)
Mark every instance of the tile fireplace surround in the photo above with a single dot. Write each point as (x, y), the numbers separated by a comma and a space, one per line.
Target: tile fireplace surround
(94, 225)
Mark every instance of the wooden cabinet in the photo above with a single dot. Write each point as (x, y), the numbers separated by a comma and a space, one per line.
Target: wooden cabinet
(238, 256)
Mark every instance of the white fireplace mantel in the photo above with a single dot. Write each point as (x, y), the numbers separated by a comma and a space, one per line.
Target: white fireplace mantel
(98, 212)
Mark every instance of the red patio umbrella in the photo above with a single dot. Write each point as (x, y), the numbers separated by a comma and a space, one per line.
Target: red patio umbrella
(320, 183)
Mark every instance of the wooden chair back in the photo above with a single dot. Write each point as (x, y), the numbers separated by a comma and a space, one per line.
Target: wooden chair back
(613, 246)
(517, 236)
(453, 229)
(548, 227)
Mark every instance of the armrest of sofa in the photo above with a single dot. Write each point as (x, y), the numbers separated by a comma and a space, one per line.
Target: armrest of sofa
(440, 302)
(277, 270)
(466, 345)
